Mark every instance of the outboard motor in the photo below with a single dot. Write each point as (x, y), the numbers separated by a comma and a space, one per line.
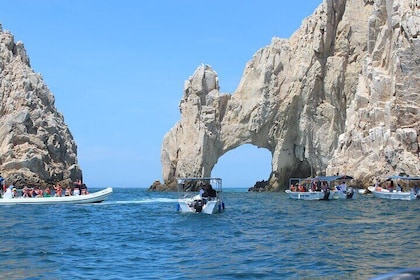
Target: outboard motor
(349, 193)
(198, 206)
(326, 194)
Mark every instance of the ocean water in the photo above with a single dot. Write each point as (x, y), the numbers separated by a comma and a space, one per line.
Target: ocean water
(137, 234)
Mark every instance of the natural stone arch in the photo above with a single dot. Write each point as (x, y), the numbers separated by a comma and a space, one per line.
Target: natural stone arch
(340, 96)
(213, 124)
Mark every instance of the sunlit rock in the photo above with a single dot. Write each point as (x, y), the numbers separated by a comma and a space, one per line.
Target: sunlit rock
(36, 146)
(340, 96)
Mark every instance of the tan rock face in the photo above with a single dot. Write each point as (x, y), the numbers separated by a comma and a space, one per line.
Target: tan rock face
(340, 96)
(36, 146)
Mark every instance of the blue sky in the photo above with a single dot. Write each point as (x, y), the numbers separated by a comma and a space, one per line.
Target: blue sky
(117, 71)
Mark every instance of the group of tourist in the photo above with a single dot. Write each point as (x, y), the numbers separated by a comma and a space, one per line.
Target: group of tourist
(390, 186)
(316, 186)
(57, 191)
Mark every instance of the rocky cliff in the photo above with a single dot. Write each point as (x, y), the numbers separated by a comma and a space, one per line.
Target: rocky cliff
(36, 146)
(340, 96)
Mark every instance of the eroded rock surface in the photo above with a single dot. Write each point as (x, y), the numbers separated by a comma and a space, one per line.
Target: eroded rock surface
(36, 146)
(340, 96)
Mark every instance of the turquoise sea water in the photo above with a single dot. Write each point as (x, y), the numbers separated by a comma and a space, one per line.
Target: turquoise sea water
(138, 234)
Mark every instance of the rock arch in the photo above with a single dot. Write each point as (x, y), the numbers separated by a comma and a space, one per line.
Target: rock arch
(339, 96)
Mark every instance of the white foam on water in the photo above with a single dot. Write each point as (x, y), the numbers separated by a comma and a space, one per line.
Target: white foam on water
(153, 200)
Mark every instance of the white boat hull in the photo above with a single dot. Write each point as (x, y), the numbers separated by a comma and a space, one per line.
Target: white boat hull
(335, 194)
(191, 205)
(305, 195)
(75, 199)
(319, 195)
(398, 195)
(209, 199)
(362, 191)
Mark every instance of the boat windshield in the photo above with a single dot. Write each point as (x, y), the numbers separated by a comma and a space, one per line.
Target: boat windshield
(206, 186)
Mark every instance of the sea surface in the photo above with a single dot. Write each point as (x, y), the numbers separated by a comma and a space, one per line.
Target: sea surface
(137, 234)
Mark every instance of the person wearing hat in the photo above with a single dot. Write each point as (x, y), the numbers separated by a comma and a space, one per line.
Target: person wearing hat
(14, 193)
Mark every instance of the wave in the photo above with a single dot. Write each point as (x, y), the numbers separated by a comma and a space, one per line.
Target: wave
(141, 201)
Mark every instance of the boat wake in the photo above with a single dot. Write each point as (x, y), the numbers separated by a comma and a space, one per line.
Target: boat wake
(142, 201)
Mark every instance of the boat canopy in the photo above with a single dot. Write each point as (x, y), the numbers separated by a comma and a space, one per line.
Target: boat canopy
(397, 177)
(332, 178)
(211, 179)
(214, 182)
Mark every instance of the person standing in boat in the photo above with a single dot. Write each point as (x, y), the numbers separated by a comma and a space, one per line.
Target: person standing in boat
(76, 187)
(8, 193)
(3, 184)
(202, 193)
(212, 192)
(343, 187)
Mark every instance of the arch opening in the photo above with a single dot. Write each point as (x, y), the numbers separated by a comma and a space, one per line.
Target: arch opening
(243, 166)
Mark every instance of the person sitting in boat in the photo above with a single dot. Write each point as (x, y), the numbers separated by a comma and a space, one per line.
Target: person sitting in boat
(292, 188)
(342, 187)
(58, 189)
(25, 191)
(47, 192)
(399, 188)
(14, 193)
(38, 192)
(67, 192)
(313, 187)
(33, 192)
(76, 187)
(83, 189)
(301, 188)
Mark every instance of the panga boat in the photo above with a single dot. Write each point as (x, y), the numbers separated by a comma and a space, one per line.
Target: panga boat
(320, 188)
(407, 190)
(200, 195)
(95, 197)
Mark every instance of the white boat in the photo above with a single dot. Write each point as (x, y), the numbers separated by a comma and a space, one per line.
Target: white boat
(95, 197)
(320, 188)
(310, 195)
(200, 195)
(409, 191)
(362, 191)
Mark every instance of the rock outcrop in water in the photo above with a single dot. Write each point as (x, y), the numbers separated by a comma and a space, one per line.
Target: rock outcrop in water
(340, 96)
(36, 146)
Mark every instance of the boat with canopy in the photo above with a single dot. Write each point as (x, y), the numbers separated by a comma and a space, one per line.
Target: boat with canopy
(397, 187)
(200, 195)
(321, 188)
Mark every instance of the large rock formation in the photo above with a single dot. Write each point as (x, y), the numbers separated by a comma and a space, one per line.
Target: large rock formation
(340, 96)
(36, 146)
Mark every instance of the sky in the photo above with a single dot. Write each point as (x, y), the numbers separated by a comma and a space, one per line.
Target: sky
(117, 71)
